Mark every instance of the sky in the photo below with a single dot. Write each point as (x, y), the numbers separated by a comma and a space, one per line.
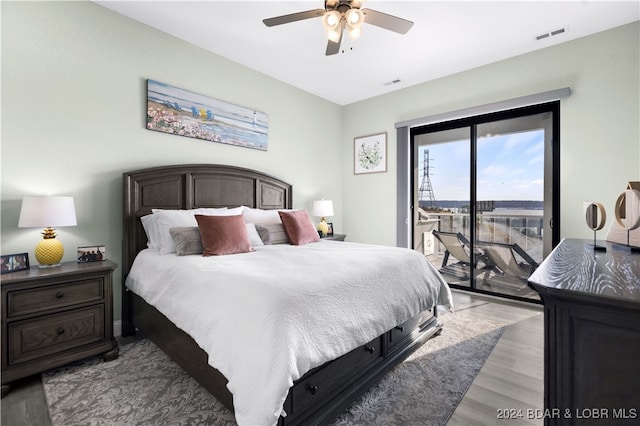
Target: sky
(510, 167)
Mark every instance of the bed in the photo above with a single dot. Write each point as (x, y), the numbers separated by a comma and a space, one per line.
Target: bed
(334, 374)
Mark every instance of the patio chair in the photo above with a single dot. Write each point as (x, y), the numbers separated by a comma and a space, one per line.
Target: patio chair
(504, 259)
(457, 245)
(454, 245)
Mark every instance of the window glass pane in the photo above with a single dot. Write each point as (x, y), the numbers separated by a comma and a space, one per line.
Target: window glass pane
(442, 196)
(510, 170)
(484, 195)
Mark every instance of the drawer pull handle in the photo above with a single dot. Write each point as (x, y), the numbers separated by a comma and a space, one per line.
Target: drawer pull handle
(60, 331)
(370, 349)
(313, 389)
(400, 328)
(59, 295)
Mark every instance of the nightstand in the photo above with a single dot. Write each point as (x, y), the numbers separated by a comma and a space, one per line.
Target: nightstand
(53, 316)
(335, 237)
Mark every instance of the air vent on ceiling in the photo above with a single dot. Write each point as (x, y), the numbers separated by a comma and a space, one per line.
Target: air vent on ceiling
(389, 83)
(551, 34)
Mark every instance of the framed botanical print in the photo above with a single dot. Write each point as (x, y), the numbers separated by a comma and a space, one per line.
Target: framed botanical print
(370, 154)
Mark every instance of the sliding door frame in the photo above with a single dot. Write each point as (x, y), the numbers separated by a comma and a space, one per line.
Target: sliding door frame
(472, 123)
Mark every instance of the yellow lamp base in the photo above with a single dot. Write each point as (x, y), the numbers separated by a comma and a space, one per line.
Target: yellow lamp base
(49, 252)
(323, 227)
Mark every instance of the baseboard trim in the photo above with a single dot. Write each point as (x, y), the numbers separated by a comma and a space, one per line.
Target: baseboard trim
(117, 328)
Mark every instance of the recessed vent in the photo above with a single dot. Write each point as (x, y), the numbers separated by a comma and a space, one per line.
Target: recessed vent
(389, 83)
(551, 33)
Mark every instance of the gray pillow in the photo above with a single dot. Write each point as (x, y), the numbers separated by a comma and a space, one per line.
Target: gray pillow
(273, 234)
(187, 239)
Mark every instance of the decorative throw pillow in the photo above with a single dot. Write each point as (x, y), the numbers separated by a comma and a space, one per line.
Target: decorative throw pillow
(187, 239)
(299, 227)
(254, 237)
(260, 216)
(167, 219)
(223, 235)
(273, 234)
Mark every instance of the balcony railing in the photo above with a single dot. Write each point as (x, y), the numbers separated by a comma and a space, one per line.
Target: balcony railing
(524, 229)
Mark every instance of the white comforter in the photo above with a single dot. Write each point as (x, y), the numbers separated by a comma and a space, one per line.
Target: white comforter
(267, 317)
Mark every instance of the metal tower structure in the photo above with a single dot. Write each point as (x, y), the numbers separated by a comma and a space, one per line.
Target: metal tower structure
(425, 196)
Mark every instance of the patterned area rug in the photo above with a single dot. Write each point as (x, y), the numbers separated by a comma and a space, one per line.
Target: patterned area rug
(144, 387)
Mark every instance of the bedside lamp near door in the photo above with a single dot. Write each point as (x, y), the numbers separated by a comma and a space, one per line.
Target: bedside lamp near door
(323, 208)
(47, 213)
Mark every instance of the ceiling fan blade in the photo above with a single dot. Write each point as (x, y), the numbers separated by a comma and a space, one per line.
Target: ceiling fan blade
(333, 47)
(293, 17)
(388, 22)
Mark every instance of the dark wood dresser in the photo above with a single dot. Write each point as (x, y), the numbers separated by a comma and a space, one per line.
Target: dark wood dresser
(592, 334)
(54, 316)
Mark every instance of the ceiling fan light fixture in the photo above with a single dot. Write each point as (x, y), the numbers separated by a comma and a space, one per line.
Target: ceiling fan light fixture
(331, 20)
(354, 33)
(334, 35)
(357, 4)
(354, 17)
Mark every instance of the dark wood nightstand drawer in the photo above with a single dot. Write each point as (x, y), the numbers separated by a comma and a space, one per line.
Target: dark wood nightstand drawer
(51, 334)
(23, 302)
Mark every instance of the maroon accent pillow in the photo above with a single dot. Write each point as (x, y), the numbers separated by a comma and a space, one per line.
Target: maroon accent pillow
(298, 227)
(223, 235)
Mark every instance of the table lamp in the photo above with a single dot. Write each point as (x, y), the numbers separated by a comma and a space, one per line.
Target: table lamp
(323, 208)
(47, 213)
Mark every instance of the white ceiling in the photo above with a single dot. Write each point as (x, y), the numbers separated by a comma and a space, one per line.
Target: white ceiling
(447, 37)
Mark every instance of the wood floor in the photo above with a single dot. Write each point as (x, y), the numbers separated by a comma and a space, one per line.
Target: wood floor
(512, 377)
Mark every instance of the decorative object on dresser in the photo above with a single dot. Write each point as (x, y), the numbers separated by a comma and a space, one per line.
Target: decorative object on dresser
(329, 229)
(184, 113)
(596, 217)
(51, 317)
(625, 230)
(592, 334)
(92, 254)
(323, 208)
(370, 154)
(15, 262)
(47, 213)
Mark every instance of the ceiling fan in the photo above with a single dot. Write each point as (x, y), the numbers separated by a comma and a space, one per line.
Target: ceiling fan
(339, 15)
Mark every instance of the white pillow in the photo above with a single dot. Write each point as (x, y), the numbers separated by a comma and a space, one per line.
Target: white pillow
(167, 219)
(260, 216)
(150, 228)
(254, 237)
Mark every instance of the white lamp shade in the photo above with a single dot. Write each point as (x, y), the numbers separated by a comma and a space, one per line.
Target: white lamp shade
(323, 208)
(47, 212)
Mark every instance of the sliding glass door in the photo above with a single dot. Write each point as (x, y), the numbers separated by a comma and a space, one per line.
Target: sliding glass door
(485, 195)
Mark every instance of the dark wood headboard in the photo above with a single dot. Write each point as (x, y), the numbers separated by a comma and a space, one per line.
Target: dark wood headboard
(190, 186)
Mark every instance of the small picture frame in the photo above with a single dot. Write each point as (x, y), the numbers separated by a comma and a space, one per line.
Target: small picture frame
(91, 254)
(370, 154)
(15, 262)
(330, 229)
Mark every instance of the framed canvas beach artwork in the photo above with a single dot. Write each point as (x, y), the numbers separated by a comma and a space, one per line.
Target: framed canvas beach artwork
(184, 113)
(370, 153)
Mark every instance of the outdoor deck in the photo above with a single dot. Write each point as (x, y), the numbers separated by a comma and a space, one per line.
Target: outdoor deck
(523, 230)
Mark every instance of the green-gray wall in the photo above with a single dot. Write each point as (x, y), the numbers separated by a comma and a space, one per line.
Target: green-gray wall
(73, 119)
(600, 126)
(74, 113)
